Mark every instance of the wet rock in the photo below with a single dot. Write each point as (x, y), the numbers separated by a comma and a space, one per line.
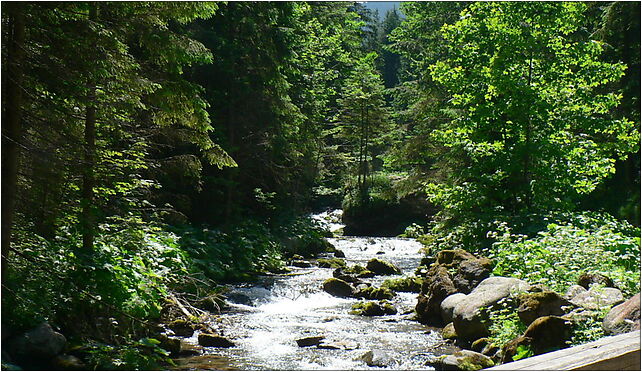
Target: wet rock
(464, 360)
(65, 362)
(300, 263)
(374, 293)
(623, 318)
(548, 333)
(597, 297)
(380, 252)
(211, 340)
(381, 267)
(573, 291)
(471, 272)
(427, 261)
(41, 342)
(173, 345)
(480, 344)
(339, 253)
(338, 287)
(373, 308)
(467, 315)
(331, 263)
(448, 332)
(512, 348)
(436, 287)
(309, 341)
(239, 298)
(453, 257)
(409, 284)
(181, 327)
(490, 350)
(538, 304)
(448, 306)
(376, 358)
(586, 280)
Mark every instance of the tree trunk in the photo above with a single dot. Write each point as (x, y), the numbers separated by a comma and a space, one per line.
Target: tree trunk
(88, 182)
(11, 124)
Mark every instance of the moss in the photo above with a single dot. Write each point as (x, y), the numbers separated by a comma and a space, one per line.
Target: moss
(332, 263)
(381, 267)
(372, 308)
(374, 293)
(408, 284)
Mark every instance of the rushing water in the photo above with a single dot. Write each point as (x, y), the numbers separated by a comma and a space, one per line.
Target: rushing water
(267, 318)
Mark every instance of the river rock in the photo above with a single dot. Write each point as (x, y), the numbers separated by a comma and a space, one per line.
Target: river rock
(211, 340)
(300, 263)
(467, 316)
(436, 287)
(66, 362)
(309, 341)
(549, 333)
(41, 342)
(453, 257)
(332, 263)
(339, 253)
(538, 304)
(448, 306)
(171, 344)
(377, 358)
(448, 332)
(372, 308)
(374, 293)
(623, 318)
(597, 297)
(471, 272)
(586, 280)
(338, 287)
(479, 345)
(381, 267)
(511, 348)
(181, 327)
(464, 360)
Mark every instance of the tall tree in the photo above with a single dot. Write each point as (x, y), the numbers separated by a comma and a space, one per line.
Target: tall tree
(530, 130)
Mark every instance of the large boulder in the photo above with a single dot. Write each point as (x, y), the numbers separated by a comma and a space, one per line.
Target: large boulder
(464, 360)
(624, 317)
(338, 287)
(40, 343)
(436, 287)
(598, 297)
(467, 315)
(448, 306)
(549, 333)
(381, 267)
(453, 257)
(538, 304)
(472, 272)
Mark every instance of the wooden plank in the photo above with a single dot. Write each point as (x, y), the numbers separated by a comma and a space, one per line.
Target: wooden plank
(615, 353)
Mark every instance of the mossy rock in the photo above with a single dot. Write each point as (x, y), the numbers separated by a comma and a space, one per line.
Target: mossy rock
(211, 340)
(182, 327)
(332, 263)
(408, 284)
(381, 267)
(338, 287)
(372, 308)
(374, 293)
(448, 332)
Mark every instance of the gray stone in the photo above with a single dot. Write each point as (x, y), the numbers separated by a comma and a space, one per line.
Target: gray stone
(41, 342)
(448, 306)
(467, 316)
(586, 280)
(309, 341)
(464, 360)
(623, 318)
(471, 272)
(598, 297)
(377, 358)
(573, 291)
(436, 287)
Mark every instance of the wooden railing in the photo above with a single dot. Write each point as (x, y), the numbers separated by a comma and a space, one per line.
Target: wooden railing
(615, 353)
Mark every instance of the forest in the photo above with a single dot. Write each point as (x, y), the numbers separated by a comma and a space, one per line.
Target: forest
(164, 162)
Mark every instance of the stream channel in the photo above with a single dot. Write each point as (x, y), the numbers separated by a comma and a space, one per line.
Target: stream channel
(267, 317)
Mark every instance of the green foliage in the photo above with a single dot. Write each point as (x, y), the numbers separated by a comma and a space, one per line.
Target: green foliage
(523, 351)
(505, 325)
(587, 326)
(531, 130)
(557, 256)
(144, 354)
